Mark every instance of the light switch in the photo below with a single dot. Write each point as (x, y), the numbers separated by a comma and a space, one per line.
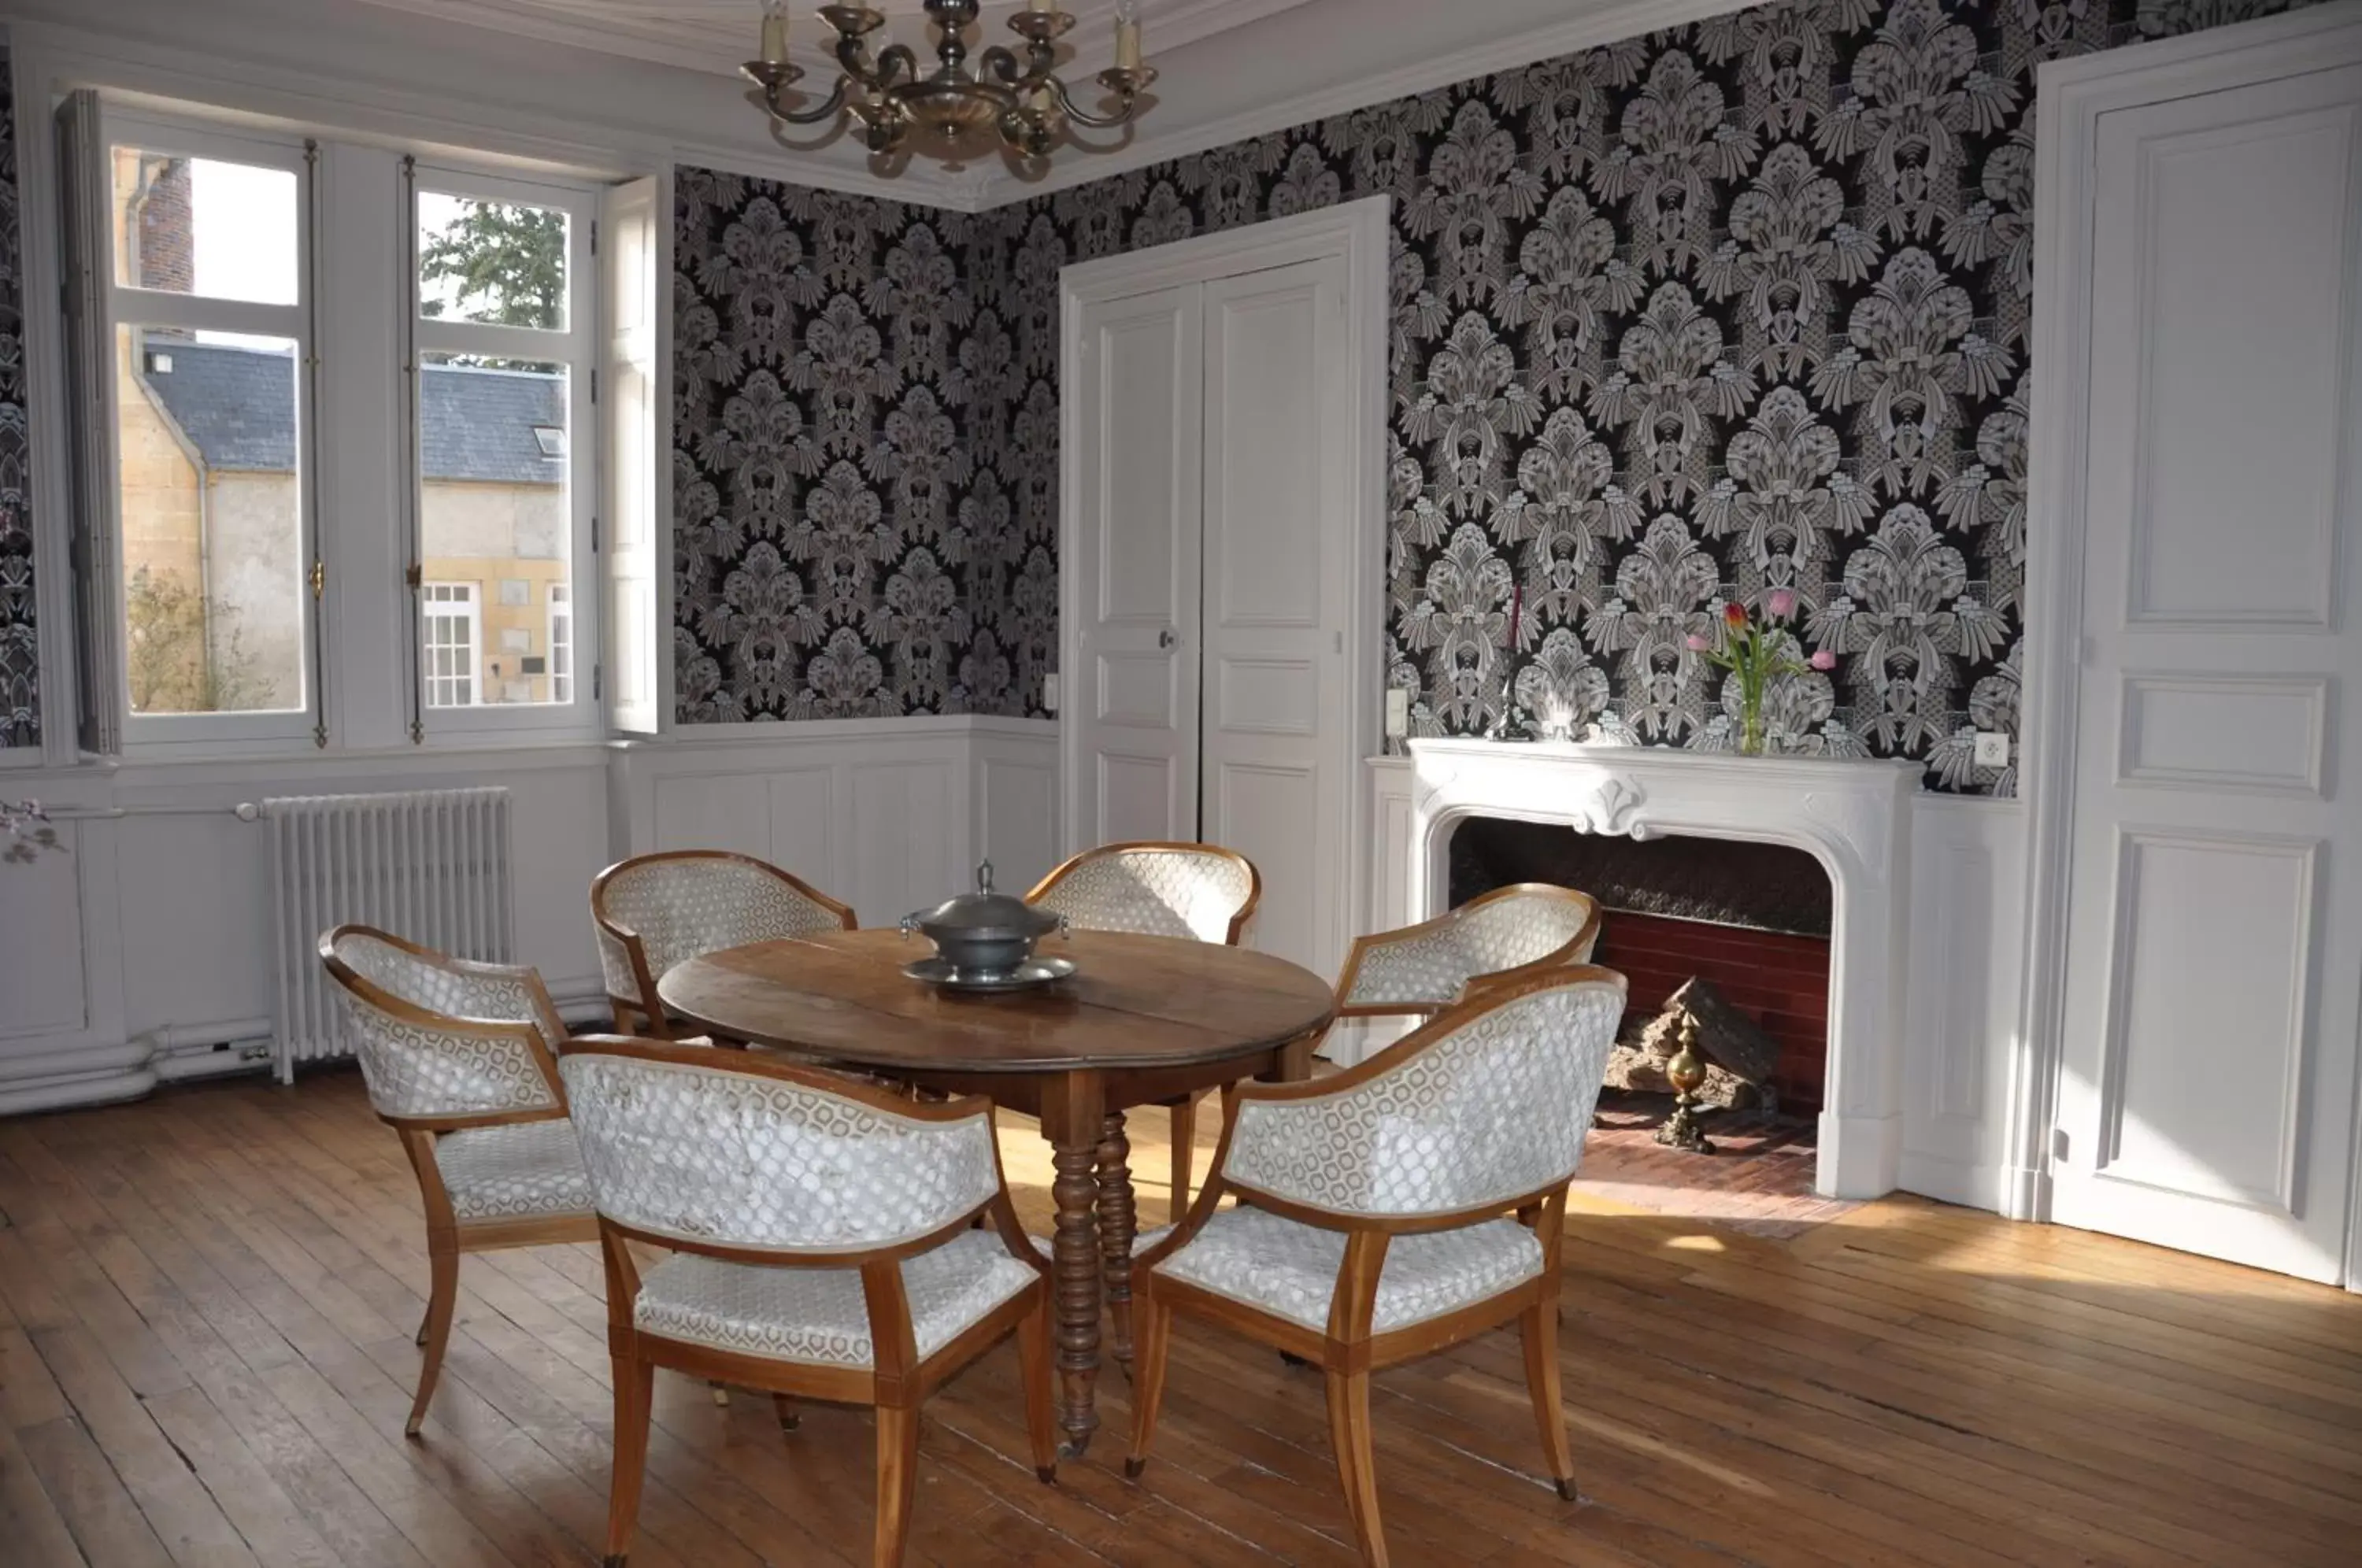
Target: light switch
(1050, 692)
(1993, 748)
(1397, 712)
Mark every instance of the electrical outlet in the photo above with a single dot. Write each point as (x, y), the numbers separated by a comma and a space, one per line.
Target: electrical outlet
(1993, 748)
(1050, 692)
(1397, 712)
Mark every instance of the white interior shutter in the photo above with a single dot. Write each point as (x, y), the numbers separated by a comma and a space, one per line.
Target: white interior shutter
(633, 535)
(86, 249)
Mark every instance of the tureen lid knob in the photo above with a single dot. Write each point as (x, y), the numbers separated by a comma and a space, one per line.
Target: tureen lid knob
(984, 877)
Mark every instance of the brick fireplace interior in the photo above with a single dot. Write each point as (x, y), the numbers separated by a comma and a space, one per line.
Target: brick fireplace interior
(1754, 918)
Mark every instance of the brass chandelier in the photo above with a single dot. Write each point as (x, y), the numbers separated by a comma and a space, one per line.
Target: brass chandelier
(1015, 92)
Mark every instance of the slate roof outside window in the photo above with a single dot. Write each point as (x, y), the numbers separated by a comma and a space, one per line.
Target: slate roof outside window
(237, 406)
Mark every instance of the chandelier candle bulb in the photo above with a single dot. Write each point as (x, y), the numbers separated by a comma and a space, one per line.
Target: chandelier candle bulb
(775, 33)
(1127, 35)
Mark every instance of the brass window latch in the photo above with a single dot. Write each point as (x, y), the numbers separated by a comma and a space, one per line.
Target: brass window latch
(319, 576)
(415, 575)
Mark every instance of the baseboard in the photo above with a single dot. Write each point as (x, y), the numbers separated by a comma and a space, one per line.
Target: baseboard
(1953, 1181)
(1861, 1157)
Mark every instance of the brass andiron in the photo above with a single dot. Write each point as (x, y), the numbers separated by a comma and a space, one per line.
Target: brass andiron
(1685, 1072)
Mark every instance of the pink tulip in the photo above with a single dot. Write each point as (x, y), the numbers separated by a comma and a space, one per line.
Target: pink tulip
(1698, 643)
(1782, 602)
(1824, 660)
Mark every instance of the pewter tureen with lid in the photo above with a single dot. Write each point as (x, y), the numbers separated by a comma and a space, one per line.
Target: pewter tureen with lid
(984, 938)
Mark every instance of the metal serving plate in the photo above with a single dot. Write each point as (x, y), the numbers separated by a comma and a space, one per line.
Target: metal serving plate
(941, 972)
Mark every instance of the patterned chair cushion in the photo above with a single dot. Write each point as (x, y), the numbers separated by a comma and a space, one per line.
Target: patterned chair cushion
(514, 1172)
(1289, 1269)
(819, 1314)
(1151, 892)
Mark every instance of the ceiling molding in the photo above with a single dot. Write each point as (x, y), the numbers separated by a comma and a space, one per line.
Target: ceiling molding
(716, 36)
(1587, 29)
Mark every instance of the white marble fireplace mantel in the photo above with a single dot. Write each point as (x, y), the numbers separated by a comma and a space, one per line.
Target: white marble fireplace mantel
(1853, 817)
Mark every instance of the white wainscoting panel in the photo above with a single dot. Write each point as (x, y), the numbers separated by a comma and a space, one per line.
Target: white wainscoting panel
(42, 961)
(151, 943)
(1967, 874)
(887, 815)
(1017, 823)
(1387, 880)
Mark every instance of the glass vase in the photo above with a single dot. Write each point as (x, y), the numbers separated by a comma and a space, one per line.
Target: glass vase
(1750, 730)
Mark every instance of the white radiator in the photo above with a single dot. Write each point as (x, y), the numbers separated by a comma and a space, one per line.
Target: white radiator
(428, 865)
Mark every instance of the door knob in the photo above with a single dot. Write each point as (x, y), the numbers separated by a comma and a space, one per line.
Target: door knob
(1167, 637)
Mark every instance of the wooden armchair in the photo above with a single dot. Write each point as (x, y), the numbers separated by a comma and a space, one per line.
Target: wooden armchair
(459, 1059)
(1159, 890)
(1374, 1217)
(656, 910)
(1504, 934)
(821, 1242)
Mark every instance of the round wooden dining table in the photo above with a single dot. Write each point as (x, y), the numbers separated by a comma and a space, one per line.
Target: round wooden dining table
(1142, 1020)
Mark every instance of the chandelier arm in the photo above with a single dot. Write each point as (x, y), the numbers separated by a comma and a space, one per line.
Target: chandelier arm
(999, 63)
(897, 64)
(1082, 116)
(828, 109)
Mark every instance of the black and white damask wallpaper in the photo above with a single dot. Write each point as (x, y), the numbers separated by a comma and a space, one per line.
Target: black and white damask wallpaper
(824, 508)
(20, 687)
(1736, 306)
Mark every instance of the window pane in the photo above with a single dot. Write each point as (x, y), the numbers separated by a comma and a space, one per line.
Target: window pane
(496, 524)
(490, 261)
(213, 542)
(450, 640)
(198, 225)
(561, 643)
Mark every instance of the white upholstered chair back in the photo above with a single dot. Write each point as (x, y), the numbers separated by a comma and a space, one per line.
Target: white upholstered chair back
(679, 906)
(439, 1038)
(1154, 889)
(745, 1158)
(1428, 966)
(1459, 1115)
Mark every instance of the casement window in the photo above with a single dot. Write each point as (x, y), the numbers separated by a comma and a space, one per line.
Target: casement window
(504, 342)
(251, 540)
(192, 311)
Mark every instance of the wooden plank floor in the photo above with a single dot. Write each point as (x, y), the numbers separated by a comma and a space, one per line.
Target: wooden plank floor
(206, 1303)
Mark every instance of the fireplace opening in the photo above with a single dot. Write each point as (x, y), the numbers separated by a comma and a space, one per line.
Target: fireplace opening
(1745, 927)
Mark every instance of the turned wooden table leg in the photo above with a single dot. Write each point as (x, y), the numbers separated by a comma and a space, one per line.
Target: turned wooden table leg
(1119, 1223)
(1073, 1119)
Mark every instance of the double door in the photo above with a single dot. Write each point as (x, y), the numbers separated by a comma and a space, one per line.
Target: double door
(1210, 533)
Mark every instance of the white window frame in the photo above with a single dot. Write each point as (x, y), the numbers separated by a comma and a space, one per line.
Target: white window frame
(462, 602)
(557, 609)
(576, 347)
(154, 307)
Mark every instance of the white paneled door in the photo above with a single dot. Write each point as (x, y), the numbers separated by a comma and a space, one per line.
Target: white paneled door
(1223, 428)
(1131, 703)
(1278, 521)
(2213, 933)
